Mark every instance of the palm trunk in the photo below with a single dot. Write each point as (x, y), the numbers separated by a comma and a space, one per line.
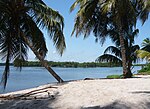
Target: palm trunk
(123, 52)
(44, 63)
(129, 73)
(129, 60)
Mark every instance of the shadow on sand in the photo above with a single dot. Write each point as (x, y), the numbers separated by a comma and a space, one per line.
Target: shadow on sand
(118, 105)
(50, 103)
(141, 92)
(47, 104)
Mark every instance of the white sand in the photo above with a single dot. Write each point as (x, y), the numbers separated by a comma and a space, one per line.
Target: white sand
(88, 94)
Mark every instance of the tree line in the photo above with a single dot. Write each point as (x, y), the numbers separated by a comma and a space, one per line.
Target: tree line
(66, 64)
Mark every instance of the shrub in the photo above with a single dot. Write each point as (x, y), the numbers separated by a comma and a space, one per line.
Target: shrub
(145, 70)
(114, 76)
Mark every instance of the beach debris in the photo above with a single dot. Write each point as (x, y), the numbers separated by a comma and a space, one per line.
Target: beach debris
(42, 93)
(89, 79)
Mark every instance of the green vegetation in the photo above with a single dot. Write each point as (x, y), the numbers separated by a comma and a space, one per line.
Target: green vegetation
(113, 53)
(21, 22)
(110, 18)
(144, 53)
(139, 64)
(145, 70)
(66, 64)
(114, 76)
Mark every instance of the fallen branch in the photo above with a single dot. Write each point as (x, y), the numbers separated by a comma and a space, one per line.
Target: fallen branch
(33, 92)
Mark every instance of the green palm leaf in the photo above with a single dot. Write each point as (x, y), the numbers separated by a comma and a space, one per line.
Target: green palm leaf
(146, 44)
(52, 21)
(113, 50)
(143, 54)
(145, 4)
(109, 58)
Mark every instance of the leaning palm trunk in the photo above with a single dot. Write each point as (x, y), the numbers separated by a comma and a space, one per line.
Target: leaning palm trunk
(43, 62)
(126, 72)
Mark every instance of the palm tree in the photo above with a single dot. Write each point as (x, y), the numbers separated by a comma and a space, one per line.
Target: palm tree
(20, 24)
(113, 53)
(144, 53)
(102, 17)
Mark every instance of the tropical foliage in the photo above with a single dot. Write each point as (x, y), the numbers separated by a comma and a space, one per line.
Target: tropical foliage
(111, 18)
(145, 6)
(21, 22)
(113, 57)
(144, 53)
(113, 53)
(145, 70)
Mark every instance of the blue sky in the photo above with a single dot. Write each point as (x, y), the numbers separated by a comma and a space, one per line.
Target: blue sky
(79, 49)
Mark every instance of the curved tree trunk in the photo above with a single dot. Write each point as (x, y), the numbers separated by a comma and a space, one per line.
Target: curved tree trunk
(43, 62)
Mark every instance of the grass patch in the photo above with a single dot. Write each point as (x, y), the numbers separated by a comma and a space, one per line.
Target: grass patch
(144, 73)
(114, 76)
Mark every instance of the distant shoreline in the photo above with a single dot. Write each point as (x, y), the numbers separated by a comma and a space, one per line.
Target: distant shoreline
(68, 64)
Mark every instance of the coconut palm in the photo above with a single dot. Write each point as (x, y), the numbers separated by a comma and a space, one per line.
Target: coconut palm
(113, 53)
(144, 53)
(102, 17)
(21, 22)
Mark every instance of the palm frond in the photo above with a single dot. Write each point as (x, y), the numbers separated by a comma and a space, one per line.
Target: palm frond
(89, 19)
(135, 48)
(143, 54)
(35, 35)
(109, 58)
(146, 44)
(113, 50)
(79, 3)
(5, 51)
(50, 19)
(135, 33)
(5, 73)
(145, 10)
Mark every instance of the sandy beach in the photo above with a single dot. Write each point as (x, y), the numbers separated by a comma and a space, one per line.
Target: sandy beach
(131, 93)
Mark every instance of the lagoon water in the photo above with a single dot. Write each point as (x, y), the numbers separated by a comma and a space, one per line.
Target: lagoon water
(34, 76)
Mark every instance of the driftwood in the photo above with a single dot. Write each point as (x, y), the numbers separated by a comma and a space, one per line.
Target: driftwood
(89, 79)
(28, 95)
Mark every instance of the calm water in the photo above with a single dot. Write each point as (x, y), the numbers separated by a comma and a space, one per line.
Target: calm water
(34, 76)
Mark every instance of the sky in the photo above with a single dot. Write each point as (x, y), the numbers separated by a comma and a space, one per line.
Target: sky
(79, 49)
